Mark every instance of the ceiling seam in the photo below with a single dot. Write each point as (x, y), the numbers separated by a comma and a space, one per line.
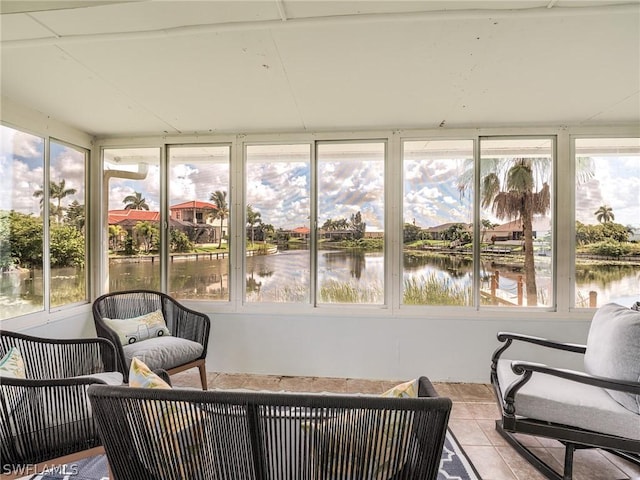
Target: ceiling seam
(439, 15)
(286, 76)
(281, 10)
(120, 91)
(42, 24)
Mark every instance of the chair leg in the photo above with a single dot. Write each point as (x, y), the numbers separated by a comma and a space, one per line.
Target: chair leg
(569, 448)
(203, 375)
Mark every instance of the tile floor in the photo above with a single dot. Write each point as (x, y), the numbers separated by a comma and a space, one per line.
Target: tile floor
(472, 422)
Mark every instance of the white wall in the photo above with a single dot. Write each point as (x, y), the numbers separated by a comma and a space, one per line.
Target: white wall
(444, 349)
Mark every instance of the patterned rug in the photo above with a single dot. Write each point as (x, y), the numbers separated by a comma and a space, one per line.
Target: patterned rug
(454, 466)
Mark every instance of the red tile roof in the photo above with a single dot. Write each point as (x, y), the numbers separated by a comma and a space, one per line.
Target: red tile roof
(117, 216)
(193, 204)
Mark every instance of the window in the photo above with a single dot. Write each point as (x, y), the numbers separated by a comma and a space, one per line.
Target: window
(437, 226)
(67, 226)
(199, 221)
(42, 228)
(516, 192)
(132, 199)
(607, 215)
(350, 219)
(277, 219)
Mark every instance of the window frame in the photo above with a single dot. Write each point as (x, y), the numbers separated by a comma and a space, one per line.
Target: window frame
(49, 313)
(564, 230)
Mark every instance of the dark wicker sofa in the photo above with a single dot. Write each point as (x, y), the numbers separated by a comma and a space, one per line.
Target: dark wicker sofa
(180, 433)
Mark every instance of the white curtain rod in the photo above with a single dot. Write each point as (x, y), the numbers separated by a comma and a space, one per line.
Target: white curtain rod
(440, 15)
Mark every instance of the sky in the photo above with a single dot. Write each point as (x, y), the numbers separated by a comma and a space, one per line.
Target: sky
(278, 186)
(22, 169)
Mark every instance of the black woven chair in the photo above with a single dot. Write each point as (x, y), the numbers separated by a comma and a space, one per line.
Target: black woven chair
(185, 325)
(47, 417)
(177, 434)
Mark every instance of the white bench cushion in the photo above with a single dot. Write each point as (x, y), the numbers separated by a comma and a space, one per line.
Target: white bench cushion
(553, 399)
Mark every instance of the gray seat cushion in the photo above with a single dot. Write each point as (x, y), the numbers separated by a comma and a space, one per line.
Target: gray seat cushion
(553, 399)
(613, 349)
(163, 352)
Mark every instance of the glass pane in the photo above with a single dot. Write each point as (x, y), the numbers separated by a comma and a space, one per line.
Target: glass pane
(437, 231)
(516, 192)
(132, 182)
(21, 181)
(199, 222)
(607, 221)
(278, 265)
(67, 243)
(351, 222)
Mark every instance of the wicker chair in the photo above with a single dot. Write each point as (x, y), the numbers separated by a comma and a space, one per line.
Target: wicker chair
(185, 348)
(46, 418)
(177, 434)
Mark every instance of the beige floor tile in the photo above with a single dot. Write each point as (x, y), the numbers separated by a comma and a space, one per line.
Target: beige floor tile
(263, 382)
(630, 469)
(448, 390)
(461, 410)
(489, 463)
(327, 384)
(296, 384)
(468, 432)
(528, 440)
(547, 456)
(489, 429)
(356, 385)
(475, 392)
(549, 442)
(484, 410)
(522, 469)
(230, 380)
(590, 464)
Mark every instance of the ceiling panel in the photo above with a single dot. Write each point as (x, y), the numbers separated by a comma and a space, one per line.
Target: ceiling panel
(453, 69)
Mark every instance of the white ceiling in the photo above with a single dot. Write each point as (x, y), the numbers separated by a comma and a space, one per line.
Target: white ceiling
(149, 67)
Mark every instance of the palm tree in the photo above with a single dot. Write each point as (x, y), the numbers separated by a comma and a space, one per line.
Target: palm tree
(147, 231)
(219, 199)
(135, 202)
(116, 233)
(57, 191)
(516, 197)
(253, 218)
(604, 214)
(486, 225)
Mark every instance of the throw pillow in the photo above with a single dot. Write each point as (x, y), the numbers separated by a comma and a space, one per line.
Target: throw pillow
(341, 444)
(173, 428)
(141, 376)
(12, 364)
(613, 349)
(136, 329)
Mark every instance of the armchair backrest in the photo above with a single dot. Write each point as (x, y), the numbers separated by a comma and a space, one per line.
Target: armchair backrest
(48, 358)
(613, 349)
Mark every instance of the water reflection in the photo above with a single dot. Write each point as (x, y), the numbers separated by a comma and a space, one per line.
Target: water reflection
(285, 277)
